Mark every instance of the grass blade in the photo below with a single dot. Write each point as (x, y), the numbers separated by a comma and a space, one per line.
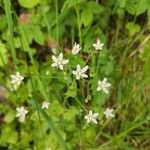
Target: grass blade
(8, 12)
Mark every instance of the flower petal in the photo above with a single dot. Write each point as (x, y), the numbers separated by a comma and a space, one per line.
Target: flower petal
(66, 61)
(105, 90)
(60, 57)
(84, 75)
(61, 67)
(74, 72)
(54, 64)
(55, 59)
(84, 69)
(78, 68)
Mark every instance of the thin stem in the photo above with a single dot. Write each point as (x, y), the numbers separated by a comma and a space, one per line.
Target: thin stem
(7, 6)
(79, 24)
(57, 19)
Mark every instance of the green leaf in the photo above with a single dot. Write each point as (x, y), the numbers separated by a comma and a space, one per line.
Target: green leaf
(86, 16)
(141, 7)
(75, 60)
(3, 55)
(70, 114)
(121, 3)
(95, 7)
(132, 28)
(10, 116)
(17, 42)
(136, 7)
(38, 35)
(131, 6)
(25, 41)
(71, 3)
(3, 22)
(28, 3)
(8, 135)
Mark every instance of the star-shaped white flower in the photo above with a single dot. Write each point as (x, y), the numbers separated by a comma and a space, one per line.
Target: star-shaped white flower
(16, 80)
(80, 72)
(21, 114)
(98, 45)
(109, 113)
(45, 105)
(103, 85)
(91, 117)
(59, 61)
(76, 49)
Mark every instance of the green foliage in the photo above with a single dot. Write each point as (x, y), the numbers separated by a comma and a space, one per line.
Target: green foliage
(137, 7)
(32, 31)
(132, 28)
(28, 3)
(3, 55)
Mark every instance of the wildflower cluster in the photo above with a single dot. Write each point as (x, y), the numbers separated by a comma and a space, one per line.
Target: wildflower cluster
(92, 117)
(79, 73)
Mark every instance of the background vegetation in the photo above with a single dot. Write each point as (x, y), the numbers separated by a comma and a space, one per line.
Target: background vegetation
(32, 30)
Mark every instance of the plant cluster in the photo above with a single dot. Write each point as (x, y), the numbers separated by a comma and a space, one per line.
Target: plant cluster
(74, 74)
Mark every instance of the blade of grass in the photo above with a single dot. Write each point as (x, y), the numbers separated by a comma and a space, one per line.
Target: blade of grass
(25, 43)
(8, 12)
(124, 133)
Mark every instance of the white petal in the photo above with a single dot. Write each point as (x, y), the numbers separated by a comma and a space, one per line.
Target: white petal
(74, 72)
(61, 67)
(13, 76)
(54, 58)
(108, 85)
(78, 77)
(88, 121)
(94, 121)
(17, 74)
(78, 68)
(60, 57)
(90, 112)
(85, 69)
(13, 81)
(104, 80)
(54, 65)
(86, 116)
(76, 49)
(66, 61)
(84, 75)
(99, 88)
(95, 115)
(94, 45)
(99, 82)
(105, 90)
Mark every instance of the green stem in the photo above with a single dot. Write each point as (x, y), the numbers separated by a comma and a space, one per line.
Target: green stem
(8, 11)
(57, 19)
(79, 24)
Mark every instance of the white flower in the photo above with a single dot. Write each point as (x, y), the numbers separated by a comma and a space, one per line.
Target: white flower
(76, 49)
(16, 80)
(103, 85)
(91, 117)
(59, 61)
(98, 45)
(45, 105)
(21, 113)
(54, 51)
(109, 113)
(80, 72)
